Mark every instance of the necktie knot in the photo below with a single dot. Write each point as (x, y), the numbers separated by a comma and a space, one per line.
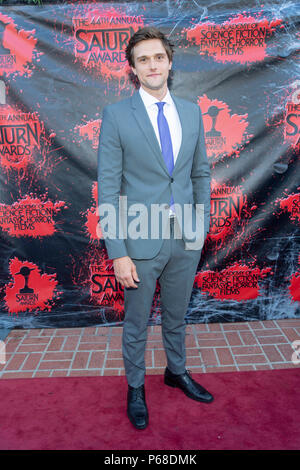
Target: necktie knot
(160, 105)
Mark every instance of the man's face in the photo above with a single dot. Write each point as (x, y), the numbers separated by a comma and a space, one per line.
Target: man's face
(151, 64)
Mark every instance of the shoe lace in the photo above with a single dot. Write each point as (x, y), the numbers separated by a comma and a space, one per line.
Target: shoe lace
(138, 393)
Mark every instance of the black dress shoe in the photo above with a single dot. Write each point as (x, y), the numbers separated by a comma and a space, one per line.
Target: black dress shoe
(188, 385)
(137, 410)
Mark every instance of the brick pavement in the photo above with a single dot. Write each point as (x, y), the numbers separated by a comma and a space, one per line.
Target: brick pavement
(212, 347)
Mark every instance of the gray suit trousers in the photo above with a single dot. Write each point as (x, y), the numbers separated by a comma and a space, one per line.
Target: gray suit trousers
(175, 268)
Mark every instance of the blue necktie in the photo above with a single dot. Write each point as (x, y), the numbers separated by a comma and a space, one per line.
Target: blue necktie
(165, 141)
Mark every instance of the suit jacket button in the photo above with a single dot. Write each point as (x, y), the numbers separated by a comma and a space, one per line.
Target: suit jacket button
(172, 179)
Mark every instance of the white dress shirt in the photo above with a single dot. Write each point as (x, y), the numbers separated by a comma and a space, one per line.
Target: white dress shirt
(171, 115)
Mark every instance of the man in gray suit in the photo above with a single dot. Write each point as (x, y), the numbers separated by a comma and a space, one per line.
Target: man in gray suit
(152, 156)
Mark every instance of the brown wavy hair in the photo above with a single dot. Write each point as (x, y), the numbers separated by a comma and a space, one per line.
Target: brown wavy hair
(149, 32)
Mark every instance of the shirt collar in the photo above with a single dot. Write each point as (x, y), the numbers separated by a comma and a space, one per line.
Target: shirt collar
(150, 100)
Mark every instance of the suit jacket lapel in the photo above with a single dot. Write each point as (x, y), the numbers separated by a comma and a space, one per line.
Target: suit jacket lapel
(184, 119)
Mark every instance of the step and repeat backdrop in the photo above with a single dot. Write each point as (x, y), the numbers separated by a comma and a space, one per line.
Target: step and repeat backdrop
(60, 64)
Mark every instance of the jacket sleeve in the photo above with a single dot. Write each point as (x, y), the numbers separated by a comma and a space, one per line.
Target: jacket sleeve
(201, 175)
(110, 164)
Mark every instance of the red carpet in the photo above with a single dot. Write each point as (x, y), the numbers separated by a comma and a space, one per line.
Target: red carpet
(252, 410)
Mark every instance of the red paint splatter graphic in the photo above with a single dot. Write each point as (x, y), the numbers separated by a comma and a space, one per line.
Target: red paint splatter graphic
(239, 282)
(284, 125)
(241, 39)
(92, 225)
(93, 272)
(17, 48)
(90, 131)
(292, 124)
(105, 290)
(294, 287)
(225, 133)
(30, 290)
(227, 204)
(101, 37)
(29, 217)
(20, 136)
(291, 204)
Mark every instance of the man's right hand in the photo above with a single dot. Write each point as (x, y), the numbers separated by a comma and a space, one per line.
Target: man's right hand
(125, 271)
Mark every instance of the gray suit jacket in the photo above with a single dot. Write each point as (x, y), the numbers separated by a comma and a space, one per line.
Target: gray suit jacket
(130, 163)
